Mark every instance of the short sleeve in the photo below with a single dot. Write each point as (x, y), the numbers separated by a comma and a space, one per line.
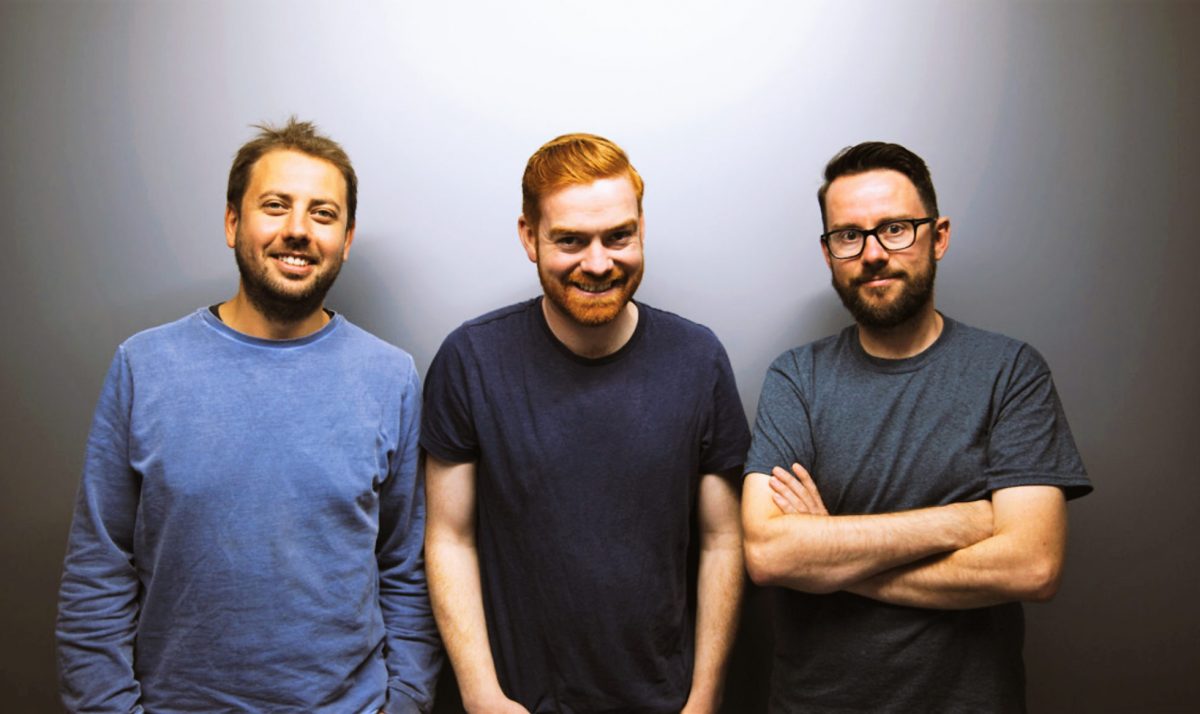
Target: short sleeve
(447, 427)
(727, 437)
(782, 429)
(1030, 442)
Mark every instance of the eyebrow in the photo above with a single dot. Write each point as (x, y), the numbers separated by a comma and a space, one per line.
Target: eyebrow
(557, 232)
(319, 201)
(881, 222)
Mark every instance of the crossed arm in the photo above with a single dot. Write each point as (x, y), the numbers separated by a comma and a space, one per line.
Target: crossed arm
(961, 555)
(452, 566)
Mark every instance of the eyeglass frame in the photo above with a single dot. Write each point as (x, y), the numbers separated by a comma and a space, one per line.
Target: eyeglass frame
(916, 223)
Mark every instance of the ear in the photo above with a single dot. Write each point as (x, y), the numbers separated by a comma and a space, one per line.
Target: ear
(941, 237)
(528, 237)
(231, 224)
(349, 240)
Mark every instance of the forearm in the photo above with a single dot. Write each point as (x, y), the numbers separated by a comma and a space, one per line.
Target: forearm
(1021, 562)
(456, 593)
(822, 553)
(719, 598)
(97, 625)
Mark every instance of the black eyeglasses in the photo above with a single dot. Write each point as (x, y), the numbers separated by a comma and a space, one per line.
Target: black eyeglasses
(898, 234)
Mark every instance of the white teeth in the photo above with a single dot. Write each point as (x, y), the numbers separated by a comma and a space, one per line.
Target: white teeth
(293, 260)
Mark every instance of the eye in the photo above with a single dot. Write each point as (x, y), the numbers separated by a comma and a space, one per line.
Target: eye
(892, 230)
(274, 206)
(326, 214)
(568, 241)
(847, 236)
(620, 238)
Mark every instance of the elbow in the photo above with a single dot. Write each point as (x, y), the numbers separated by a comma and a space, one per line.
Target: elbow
(764, 564)
(1040, 579)
(758, 564)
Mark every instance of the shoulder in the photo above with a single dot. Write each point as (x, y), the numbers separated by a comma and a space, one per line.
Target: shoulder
(375, 349)
(492, 330)
(165, 335)
(979, 346)
(686, 333)
(806, 357)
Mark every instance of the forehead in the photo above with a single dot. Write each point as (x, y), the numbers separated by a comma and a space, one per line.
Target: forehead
(296, 173)
(865, 198)
(600, 204)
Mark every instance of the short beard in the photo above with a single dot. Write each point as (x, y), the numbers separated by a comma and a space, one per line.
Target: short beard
(281, 307)
(588, 312)
(917, 292)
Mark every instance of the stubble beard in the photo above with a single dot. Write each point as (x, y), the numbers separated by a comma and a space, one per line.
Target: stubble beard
(587, 311)
(275, 298)
(916, 292)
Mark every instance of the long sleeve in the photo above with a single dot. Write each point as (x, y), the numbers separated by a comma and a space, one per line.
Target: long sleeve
(98, 598)
(414, 651)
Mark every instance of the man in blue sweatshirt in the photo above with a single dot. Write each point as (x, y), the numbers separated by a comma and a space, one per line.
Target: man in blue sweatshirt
(248, 532)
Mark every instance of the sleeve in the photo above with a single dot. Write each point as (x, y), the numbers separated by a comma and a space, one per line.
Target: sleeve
(1030, 442)
(98, 596)
(447, 429)
(782, 430)
(727, 436)
(413, 648)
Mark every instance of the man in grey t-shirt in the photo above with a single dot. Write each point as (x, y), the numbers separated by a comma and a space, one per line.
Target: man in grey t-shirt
(908, 478)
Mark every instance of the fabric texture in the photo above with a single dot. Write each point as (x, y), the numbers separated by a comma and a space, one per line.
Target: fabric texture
(974, 413)
(248, 531)
(586, 476)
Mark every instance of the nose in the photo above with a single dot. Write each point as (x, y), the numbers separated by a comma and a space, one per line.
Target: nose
(297, 225)
(873, 250)
(596, 260)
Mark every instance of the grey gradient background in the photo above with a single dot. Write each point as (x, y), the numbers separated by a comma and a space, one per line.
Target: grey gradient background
(1061, 135)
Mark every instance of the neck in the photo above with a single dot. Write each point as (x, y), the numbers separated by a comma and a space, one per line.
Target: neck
(908, 339)
(240, 314)
(591, 341)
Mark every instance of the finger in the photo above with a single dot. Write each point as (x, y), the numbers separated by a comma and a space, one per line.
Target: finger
(784, 505)
(810, 487)
(795, 503)
(805, 493)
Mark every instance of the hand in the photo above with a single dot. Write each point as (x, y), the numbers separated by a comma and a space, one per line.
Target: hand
(796, 494)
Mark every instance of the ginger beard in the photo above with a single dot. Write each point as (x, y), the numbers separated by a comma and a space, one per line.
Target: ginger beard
(583, 297)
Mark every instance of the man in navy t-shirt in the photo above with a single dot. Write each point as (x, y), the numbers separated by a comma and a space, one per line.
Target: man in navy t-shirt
(907, 482)
(575, 443)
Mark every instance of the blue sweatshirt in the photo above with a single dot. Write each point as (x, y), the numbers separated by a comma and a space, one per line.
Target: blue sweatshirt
(248, 531)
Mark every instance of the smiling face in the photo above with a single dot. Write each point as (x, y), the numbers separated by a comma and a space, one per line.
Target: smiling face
(290, 234)
(881, 288)
(588, 249)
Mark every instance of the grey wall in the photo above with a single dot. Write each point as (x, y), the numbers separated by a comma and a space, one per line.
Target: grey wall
(1062, 138)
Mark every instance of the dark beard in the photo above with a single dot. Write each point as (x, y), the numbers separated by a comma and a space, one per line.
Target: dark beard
(283, 308)
(918, 290)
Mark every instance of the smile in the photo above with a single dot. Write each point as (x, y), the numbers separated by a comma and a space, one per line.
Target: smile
(595, 287)
(294, 260)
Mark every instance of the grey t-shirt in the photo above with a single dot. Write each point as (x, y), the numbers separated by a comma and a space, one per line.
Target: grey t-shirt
(974, 413)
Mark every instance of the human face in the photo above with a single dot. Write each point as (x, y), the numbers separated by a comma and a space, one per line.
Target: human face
(588, 249)
(881, 288)
(290, 235)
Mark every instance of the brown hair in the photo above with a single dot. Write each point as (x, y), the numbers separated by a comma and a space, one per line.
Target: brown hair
(569, 160)
(873, 155)
(299, 136)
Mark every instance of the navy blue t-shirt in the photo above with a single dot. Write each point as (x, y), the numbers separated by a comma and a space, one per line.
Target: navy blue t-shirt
(586, 482)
